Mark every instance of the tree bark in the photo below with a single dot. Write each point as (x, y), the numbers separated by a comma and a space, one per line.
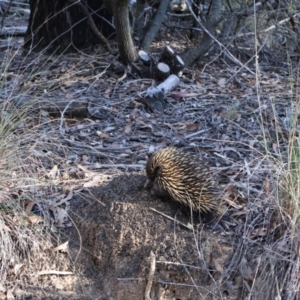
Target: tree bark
(127, 50)
(193, 54)
(60, 25)
(155, 25)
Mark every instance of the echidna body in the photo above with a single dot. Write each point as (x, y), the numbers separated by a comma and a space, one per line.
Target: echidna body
(184, 177)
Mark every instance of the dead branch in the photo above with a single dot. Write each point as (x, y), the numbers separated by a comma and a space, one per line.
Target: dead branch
(150, 276)
(226, 51)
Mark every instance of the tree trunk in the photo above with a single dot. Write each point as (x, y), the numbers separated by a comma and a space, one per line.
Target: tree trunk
(120, 11)
(155, 25)
(60, 25)
(193, 54)
(139, 18)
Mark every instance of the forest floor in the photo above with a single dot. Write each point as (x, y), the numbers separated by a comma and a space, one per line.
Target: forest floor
(90, 174)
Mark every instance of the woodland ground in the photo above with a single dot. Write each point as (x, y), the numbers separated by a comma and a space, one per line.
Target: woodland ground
(89, 175)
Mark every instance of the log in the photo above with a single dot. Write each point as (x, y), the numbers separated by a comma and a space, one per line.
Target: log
(177, 65)
(13, 31)
(154, 98)
(168, 54)
(175, 62)
(162, 71)
(76, 108)
(159, 72)
(144, 57)
(167, 86)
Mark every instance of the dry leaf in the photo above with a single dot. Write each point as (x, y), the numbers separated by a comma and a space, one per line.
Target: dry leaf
(97, 180)
(238, 213)
(29, 205)
(85, 158)
(61, 217)
(233, 204)
(62, 199)
(83, 168)
(192, 126)
(44, 113)
(7, 228)
(53, 173)
(38, 154)
(69, 96)
(9, 295)
(17, 268)
(261, 231)
(2, 296)
(84, 134)
(222, 82)
(122, 77)
(62, 247)
(34, 219)
(127, 129)
(67, 82)
(218, 265)
(103, 135)
(245, 269)
(251, 143)
(65, 176)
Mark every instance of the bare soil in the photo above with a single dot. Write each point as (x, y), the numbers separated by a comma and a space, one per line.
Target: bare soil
(118, 230)
(116, 227)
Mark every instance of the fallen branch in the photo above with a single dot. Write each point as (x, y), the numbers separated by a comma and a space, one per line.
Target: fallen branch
(13, 31)
(150, 276)
(53, 272)
(165, 87)
(154, 98)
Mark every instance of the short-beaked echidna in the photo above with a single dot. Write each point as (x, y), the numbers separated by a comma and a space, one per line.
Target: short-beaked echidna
(184, 177)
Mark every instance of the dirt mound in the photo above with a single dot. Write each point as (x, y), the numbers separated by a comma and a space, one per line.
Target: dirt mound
(118, 230)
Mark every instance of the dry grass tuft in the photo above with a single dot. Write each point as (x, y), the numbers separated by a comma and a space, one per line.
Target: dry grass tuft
(26, 219)
(275, 258)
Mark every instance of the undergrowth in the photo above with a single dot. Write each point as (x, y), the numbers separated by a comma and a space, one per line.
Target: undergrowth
(277, 262)
(26, 237)
(269, 241)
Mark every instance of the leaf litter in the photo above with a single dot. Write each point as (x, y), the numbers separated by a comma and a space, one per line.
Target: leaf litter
(98, 164)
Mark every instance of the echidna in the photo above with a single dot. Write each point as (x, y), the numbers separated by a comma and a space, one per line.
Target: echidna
(184, 177)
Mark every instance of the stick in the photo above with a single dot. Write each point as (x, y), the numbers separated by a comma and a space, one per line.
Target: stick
(170, 218)
(150, 276)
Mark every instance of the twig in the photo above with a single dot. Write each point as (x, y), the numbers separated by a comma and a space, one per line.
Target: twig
(150, 276)
(178, 264)
(170, 218)
(120, 166)
(274, 26)
(165, 283)
(53, 272)
(196, 133)
(178, 15)
(5, 14)
(226, 51)
(89, 150)
(61, 131)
